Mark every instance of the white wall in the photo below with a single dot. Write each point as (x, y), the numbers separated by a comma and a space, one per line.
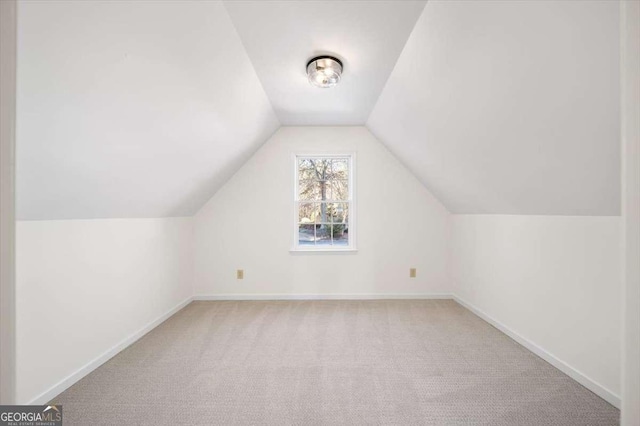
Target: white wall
(553, 280)
(84, 286)
(7, 199)
(247, 225)
(631, 210)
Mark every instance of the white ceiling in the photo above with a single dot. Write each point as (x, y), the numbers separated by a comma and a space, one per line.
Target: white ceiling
(510, 107)
(131, 109)
(146, 108)
(280, 37)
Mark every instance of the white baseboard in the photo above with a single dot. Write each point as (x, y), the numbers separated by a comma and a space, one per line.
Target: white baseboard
(311, 296)
(65, 383)
(576, 375)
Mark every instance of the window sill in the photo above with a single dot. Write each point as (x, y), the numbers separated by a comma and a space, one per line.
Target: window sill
(298, 251)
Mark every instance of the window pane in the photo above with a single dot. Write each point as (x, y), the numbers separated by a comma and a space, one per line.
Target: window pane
(323, 235)
(322, 167)
(340, 190)
(324, 190)
(314, 190)
(306, 169)
(333, 212)
(306, 236)
(340, 234)
(340, 168)
(314, 168)
(309, 190)
(324, 213)
(340, 212)
(309, 213)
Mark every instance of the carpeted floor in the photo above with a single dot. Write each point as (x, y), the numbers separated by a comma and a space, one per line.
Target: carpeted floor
(396, 362)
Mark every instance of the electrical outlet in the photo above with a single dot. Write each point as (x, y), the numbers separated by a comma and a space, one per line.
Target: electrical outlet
(240, 274)
(412, 273)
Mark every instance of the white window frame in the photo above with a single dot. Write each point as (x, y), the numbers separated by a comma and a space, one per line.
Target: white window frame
(296, 247)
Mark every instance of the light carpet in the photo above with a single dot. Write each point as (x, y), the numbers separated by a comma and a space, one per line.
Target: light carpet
(339, 362)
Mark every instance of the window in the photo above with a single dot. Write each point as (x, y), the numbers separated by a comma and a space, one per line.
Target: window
(324, 207)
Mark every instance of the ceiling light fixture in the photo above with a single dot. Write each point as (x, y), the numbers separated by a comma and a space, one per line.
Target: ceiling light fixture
(324, 71)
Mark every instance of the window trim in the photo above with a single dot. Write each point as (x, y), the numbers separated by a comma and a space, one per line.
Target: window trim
(296, 247)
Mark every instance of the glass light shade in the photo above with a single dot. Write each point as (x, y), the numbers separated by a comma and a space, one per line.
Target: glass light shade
(324, 72)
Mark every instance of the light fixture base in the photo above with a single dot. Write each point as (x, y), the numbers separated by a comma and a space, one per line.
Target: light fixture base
(317, 58)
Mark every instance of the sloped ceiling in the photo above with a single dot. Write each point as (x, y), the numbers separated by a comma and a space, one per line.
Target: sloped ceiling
(131, 109)
(510, 107)
(145, 108)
